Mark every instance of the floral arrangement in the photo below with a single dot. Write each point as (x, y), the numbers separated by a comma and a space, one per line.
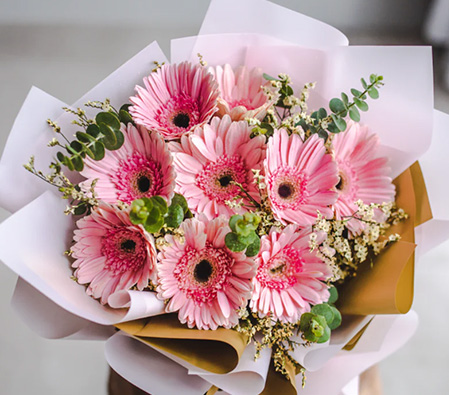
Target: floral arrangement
(217, 203)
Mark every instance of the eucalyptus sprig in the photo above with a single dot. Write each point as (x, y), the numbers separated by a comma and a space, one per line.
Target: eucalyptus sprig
(153, 213)
(316, 325)
(243, 234)
(100, 134)
(323, 123)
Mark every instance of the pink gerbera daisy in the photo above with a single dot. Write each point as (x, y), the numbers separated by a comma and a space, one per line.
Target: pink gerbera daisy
(176, 99)
(363, 175)
(300, 178)
(208, 160)
(289, 276)
(142, 167)
(204, 280)
(111, 253)
(241, 94)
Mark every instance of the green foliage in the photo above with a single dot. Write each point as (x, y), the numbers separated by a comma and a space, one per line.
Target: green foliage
(153, 213)
(314, 328)
(243, 234)
(99, 135)
(323, 318)
(340, 108)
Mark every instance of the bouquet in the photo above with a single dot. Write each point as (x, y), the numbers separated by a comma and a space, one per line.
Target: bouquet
(243, 218)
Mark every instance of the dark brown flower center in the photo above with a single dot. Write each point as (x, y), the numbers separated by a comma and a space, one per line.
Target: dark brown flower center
(340, 184)
(202, 271)
(285, 190)
(128, 246)
(225, 180)
(144, 184)
(181, 120)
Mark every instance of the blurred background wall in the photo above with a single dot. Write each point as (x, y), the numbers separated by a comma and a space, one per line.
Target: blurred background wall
(65, 47)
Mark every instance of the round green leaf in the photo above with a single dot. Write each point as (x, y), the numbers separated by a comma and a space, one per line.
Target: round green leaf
(175, 216)
(93, 130)
(373, 93)
(345, 98)
(125, 117)
(253, 249)
(249, 239)
(326, 335)
(324, 310)
(109, 137)
(362, 105)
(160, 203)
(109, 119)
(180, 201)
(336, 322)
(81, 209)
(354, 114)
(336, 105)
(333, 295)
(233, 220)
(322, 113)
(96, 151)
(233, 243)
(356, 92)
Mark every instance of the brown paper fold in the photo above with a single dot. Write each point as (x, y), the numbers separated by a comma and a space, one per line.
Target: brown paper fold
(276, 383)
(387, 286)
(353, 342)
(217, 351)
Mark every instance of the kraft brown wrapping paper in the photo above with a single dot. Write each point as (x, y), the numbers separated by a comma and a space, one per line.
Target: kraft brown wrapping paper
(216, 351)
(387, 286)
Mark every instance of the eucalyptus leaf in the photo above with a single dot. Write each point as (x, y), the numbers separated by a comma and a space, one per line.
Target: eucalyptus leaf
(325, 310)
(161, 203)
(362, 105)
(356, 92)
(233, 243)
(253, 249)
(180, 201)
(354, 114)
(336, 105)
(233, 220)
(337, 319)
(373, 93)
(175, 216)
(108, 118)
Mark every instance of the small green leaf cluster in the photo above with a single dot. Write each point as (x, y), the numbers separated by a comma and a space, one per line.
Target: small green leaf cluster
(324, 123)
(317, 325)
(153, 213)
(285, 90)
(243, 234)
(99, 135)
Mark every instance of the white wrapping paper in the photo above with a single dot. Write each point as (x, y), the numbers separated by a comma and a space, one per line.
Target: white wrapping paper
(278, 40)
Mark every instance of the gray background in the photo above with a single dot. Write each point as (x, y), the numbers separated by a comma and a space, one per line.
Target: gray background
(66, 47)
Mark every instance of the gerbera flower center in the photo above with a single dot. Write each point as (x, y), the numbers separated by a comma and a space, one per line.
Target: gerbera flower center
(347, 184)
(124, 249)
(128, 246)
(216, 178)
(340, 184)
(179, 114)
(137, 177)
(225, 180)
(202, 273)
(181, 120)
(143, 183)
(280, 271)
(287, 188)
